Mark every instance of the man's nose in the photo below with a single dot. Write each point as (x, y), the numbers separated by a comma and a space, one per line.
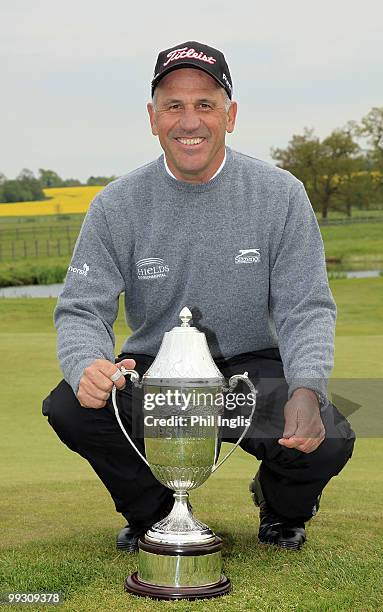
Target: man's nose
(189, 120)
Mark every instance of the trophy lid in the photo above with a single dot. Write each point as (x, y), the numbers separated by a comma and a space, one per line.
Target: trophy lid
(184, 357)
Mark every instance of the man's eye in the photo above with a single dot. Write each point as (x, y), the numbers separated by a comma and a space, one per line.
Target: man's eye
(174, 107)
(205, 106)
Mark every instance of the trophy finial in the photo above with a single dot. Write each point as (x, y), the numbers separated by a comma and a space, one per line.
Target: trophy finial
(185, 316)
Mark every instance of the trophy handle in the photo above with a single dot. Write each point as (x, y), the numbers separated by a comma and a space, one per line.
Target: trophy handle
(232, 384)
(135, 378)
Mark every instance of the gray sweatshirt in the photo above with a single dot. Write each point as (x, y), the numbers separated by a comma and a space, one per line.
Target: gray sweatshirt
(243, 252)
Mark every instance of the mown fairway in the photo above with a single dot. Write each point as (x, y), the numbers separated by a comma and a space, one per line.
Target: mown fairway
(58, 523)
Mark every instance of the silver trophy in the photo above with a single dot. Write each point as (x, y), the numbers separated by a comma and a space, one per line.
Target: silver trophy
(180, 557)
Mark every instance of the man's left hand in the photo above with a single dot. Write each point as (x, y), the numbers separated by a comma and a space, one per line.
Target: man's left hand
(304, 429)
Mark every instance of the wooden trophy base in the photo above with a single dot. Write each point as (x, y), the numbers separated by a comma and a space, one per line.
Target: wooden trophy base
(169, 571)
(134, 585)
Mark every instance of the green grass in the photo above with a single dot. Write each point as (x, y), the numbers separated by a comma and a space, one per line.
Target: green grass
(34, 271)
(19, 228)
(59, 524)
(356, 242)
(359, 306)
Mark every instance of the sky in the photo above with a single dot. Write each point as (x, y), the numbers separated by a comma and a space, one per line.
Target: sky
(75, 75)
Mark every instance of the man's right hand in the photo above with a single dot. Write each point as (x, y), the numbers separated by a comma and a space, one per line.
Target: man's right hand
(95, 384)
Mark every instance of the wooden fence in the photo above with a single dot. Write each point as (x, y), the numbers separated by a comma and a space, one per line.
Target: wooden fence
(350, 220)
(25, 249)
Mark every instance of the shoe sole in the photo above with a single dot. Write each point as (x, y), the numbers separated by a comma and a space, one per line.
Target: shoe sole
(284, 545)
(126, 548)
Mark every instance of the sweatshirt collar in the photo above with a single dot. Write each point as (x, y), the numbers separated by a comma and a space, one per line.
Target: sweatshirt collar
(175, 178)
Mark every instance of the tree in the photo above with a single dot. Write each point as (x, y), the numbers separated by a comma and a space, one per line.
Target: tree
(332, 171)
(24, 189)
(371, 127)
(71, 182)
(15, 191)
(30, 185)
(3, 180)
(26, 175)
(49, 178)
(100, 180)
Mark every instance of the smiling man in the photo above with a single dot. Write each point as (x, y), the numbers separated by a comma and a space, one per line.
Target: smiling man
(190, 115)
(236, 240)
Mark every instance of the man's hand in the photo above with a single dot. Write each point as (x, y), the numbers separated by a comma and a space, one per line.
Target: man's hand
(304, 429)
(95, 384)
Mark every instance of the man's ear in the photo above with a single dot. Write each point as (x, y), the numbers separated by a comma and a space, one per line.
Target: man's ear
(231, 116)
(152, 118)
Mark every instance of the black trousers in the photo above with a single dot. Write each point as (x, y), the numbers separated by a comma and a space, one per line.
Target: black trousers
(291, 480)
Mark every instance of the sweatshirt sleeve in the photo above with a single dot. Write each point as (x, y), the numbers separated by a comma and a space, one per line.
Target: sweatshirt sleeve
(88, 305)
(301, 303)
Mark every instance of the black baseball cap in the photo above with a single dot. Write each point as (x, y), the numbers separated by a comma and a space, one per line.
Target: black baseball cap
(193, 54)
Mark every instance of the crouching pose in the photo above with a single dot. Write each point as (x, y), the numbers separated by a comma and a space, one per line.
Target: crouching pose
(236, 240)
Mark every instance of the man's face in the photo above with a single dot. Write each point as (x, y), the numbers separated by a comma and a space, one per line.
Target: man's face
(191, 122)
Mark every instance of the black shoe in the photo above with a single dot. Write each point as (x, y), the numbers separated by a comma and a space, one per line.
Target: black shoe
(275, 530)
(128, 538)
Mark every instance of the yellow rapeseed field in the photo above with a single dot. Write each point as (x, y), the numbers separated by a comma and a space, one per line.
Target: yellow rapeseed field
(64, 200)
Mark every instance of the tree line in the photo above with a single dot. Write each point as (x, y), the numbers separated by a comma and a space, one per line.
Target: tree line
(26, 187)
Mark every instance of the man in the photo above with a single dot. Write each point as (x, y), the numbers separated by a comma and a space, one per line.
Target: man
(236, 240)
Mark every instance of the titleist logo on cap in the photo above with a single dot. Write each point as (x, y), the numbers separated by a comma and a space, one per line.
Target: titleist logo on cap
(186, 52)
(193, 54)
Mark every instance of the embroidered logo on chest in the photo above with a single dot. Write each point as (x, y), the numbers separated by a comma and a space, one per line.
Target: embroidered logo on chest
(248, 256)
(151, 268)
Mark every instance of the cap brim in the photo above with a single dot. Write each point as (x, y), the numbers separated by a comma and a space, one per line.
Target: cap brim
(185, 64)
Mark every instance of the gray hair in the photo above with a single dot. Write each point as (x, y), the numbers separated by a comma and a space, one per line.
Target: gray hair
(226, 99)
